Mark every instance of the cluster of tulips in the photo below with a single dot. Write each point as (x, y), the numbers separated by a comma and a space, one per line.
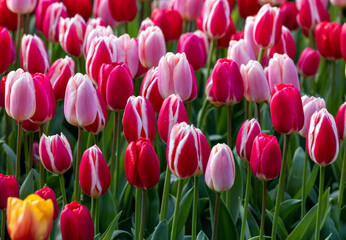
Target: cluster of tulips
(135, 67)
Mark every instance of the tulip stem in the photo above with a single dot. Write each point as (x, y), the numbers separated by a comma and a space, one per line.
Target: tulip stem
(342, 181)
(216, 215)
(319, 207)
(194, 210)
(3, 224)
(258, 108)
(341, 15)
(304, 184)
(264, 197)
(302, 81)
(176, 210)
(229, 142)
(281, 188)
(210, 56)
(261, 55)
(42, 177)
(250, 110)
(137, 217)
(94, 214)
(7, 127)
(31, 146)
(79, 153)
(62, 187)
(312, 39)
(247, 194)
(114, 145)
(331, 98)
(18, 38)
(203, 114)
(144, 198)
(19, 143)
(165, 195)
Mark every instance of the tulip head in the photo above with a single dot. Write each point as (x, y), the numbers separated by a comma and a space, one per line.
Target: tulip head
(50, 25)
(240, 52)
(7, 50)
(189, 10)
(47, 193)
(308, 62)
(248, 7)
(80, 7)
(311, 12)
(327, 36)
(102, 10)
(246, 135)
(289, 13)
(21, 6)
(170, 22)
(123, 11)
(9, 188)
(286, 44)
(341, 121)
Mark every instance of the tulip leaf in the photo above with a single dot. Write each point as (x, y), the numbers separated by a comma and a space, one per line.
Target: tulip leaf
(310, 182)
(28, 186)
(11, 159)
(295, 176)
(161, 231)
(107, 210)
(289, 207)
(201, 236)
(109, 232)
(281, 230)
(236, 193)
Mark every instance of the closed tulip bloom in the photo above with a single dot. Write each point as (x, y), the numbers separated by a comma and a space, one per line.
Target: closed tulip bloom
(176, 76)
(240, 52)
(341, 121)
(116, 85)
(220, 173)
(256, 86)
(172, 111)
(101, 116)
(9, 188)
(55, 153)
(142, 166)
(249, 36)
(71, 35)
(145, 24)
(265, 162)
(50, 25)
(311, 12)
(33, 54)
(93, 33)
(127, 52)
(338, 3)
(327, 37)
(150, 89)
(29, 126)
(80, 101)
(343, 41)
(189, 10)
(225, 85)
(76, 222)
(248, 7)
(170, 22)
(151, 46)
(7, 50)
(21, 6)
(310, 106)
(195, 46)
(40, 11)
(59, 73)
(94, 174)
(8, 19)
(246, 135)
(80, 7)
(31, 218)
(139, 119)
(289, 13)
(20, 101)
(281, 69)
(286, 109)
(308, 62)
(286, 44)
(47, 193)
(102, 10)
(123, 11)
(268, 25)
(322, 140)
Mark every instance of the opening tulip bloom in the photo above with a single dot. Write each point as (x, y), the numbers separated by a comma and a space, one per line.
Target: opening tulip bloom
(50, 24)
(312, 12)
(308, 62)
(47, 193)
(92, 33)
(341, 121)
(7, 49)
(21, 6)
(31, 218)
(327, 37)
(9, 188)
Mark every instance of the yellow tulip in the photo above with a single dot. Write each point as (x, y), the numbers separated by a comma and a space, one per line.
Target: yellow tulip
(31, 218)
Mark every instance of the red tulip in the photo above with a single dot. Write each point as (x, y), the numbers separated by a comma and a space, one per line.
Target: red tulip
(343, 41)
(29, 126)
(308, 62)
(289, 13)
(81, 7)
(8, 19)
(224, 41)
(341, 121)
(7, 50)
(327, 37)
(312, 12)
(248, 7)
(169, 21)
(47, 193)
(123, 11)
(9, 188)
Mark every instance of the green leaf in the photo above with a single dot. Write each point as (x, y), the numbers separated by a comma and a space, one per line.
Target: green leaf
(107, 210)
(295, 176)
(310, 183)
(109, 232)
(28, 186)
(11, 159)
(201, 236)
(161, 231)
(281, 230)
(236, 193)
(289, 207)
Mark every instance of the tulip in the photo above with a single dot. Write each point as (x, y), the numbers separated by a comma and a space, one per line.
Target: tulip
(189, 10)
(150, 89)
(281, 69)
(308, 62)
(267, 28)
(195, 46)
(225, 85)
(176, 76)
(76, 222)
(245, 138)
(240, 52)
(172, 111)
(71, 34)
(31, 218)
(248, 35)
(224, 41)
(343, 41)
(29, 126)
(101, 117)
(255, 82)
(123, 11)
(237, 36)
(59, 74)
(33, 54)
(127, 52)
(2, 91)
(286, 109)
(160, 4)
(80, 107)
(102, 10)
(51, 20)
(21, 6)
(94, 23)
(311, 12)
(47, 193)
(151, 46)
(310, 106)
(170, 22)
(248, 7)
(286, 44)
(327, 37)
(145, 24)
(40, 11)
(8, 19)
(92, 33)
(338, 3)
(7, 50)
(80, 7)
(289, 14)
(340, 121)
(9, 188)
(116, 85)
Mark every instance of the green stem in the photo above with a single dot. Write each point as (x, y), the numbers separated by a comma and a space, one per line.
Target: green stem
(90, 139)
(250, 110)
(281, 186)
(258, 108)
(261, 55)
(137, 213)
(210, 56)
(144, 198)
(126, 27)
(19, 143)
(94, 214)
(246, 109)
(247, 194)
(312, 39)
(302, 81)
(165, 195)
(62, 187)
(229, 142)
(80, 64)
(264, 196)
(31, 146)
(114, 145)
(216, 215)
(203, 114)
(42, 177)
(331, 98)
(341, 15)
(194, 210)
(320, 194)
(304, 184)
(176, 209)
(7, 127)
(18, 39)
(342, 181)
(79, 153)
(3, 224)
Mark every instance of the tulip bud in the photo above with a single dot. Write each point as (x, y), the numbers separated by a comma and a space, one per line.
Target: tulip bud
(94, 174)
(71, 35)
(265, 162)
(59, 73)
(9, 188)
(76, 222)
(151, 46)
(93, 33)
(116, 85)
(123, 11)
(169, 21)
(220, 173)
(341, 121)
(33, 55)
(311, 12)
(327, 37)
(322, 140)
(40, 11)
(187, 151)
(248, 7)
(50, 24)
(29, 126)
(286, 109)
(101, 116)
(31, 218)
(286, 44)
(255, 82)
(176, 76)
(21, 6)
(55, 153)
(225, 85)
(7, 50)
(246, 135)
(249, 36)
(308, 62)
(101, 10)
(20, 101)
(172, 111)
(80, 101)
(310, 106)
(8, 19)
(127, 52)
(343, 41)
(189, 10)
(142, 166)
(80, 7)
(47, 193)
(289, 14)
(145, 24)
(240, 52)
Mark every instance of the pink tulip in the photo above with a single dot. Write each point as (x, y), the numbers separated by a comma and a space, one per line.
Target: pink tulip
(249, 36)
(308, 62)
(21, 6)
(7, 50)
(312, 12)
(127, 52)
(102, 10)
(40, 11)
(240, 52)
(101, 116)
(50, 25)
(93, 33)
(246, 135)
(286, 44)
(47, 193)
(189, 10)
(341, 121)
(78, 7)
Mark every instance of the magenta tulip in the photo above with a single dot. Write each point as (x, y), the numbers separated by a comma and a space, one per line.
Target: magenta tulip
(341, 121)
(9, 188)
